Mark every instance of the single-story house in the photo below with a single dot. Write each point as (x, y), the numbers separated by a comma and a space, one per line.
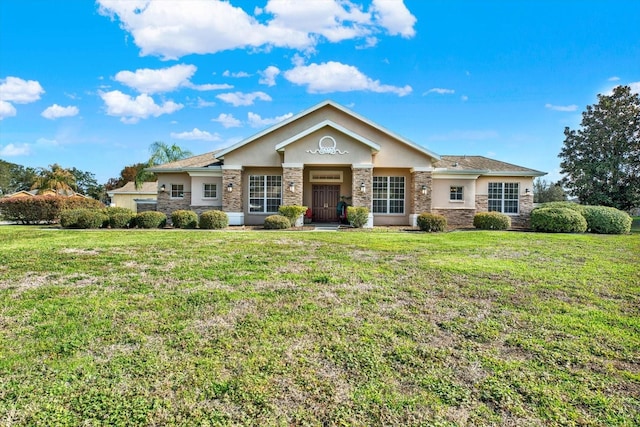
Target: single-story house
(329, 153)
(136, 199)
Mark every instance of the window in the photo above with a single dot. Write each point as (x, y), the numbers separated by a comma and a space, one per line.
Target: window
(325, 176)
(456, 193)
(177, 191)
(504, 197)
(265, 193)
(388, 194)
(210, 191)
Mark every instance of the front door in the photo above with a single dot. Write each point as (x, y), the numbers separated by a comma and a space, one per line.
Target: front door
(325, 201)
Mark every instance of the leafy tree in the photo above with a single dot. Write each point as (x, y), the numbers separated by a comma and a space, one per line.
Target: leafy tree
(544, 191)
(15, 177)
(601, 160)
(161, 153)
(55, 178)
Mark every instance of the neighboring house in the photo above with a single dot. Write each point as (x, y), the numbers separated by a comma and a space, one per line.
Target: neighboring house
(47, 192)
(136, 199)
(328, 152)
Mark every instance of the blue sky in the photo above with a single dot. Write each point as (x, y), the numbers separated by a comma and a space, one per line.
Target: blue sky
(92, 84)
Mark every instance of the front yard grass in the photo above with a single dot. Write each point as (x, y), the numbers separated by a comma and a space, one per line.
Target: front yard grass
(176, 327)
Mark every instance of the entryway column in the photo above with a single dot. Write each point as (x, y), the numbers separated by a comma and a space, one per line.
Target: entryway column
(362, 188)
(232, 194)
(421, 187)
(292, 183)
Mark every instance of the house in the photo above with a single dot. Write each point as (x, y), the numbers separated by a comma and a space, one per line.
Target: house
(46, 192)
(137, 199)
(329, 153)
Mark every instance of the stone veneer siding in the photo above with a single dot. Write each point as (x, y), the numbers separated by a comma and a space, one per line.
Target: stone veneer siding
(420, 202)
(167, 205)
(358, 198)
(232, 200)
(290, 175)
(146, 207)
(457, 218)
(522, 220)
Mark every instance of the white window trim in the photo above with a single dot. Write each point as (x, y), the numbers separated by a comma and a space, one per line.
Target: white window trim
(388, 199)
(502, 199)
(210, 198)
(264, 198)
(461, 192)
(171, 192)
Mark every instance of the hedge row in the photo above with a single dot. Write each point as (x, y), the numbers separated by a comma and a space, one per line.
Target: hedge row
(594, 219)
(42, 209)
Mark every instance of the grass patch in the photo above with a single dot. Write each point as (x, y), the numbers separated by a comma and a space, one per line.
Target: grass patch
(139, 327)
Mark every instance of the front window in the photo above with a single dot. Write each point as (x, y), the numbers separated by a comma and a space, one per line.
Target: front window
(210, 191)
(177, 191)
(504, 197)
(456, 193)
(265, 193)
(388, 194)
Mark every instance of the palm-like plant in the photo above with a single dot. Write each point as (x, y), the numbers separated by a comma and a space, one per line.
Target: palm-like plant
(161, 153)
(56, 178)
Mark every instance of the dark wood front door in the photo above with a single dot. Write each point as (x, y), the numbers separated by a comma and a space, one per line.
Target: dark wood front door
(325, 201)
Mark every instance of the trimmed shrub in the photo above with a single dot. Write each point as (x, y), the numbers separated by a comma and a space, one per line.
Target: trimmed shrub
(184, 219)
(567, 205)
(357, 216)
(83, 218)
(151, 219)
(276, 222)
(32, 210)
(491, 221)
(607, 220)
(76, 202)
(432, 222)
(214, 220)
(119, 217)
(557, 220)
(292, 212)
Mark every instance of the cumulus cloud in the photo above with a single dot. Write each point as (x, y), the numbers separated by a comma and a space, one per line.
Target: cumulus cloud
(56, 111)
(149, 81)
(131, 110)
(175, 29)
(14, 90)
(239, 74)
(440, 91)
(196, 134)
(337, 77)
(227, 121)
(268, 75)
(566, 108)
(256, 121)
(11, 150)
(243, 99)
(613, 79)
(395, 17)
(6, 110)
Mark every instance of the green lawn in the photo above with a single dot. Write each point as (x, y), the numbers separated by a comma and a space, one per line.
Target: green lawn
(310, 328)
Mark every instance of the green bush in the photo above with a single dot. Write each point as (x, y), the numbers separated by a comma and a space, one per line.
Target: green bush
(184, 219)
(83, 218)
(568, 205)
(77, 202)
(276, 222)
(607, 220)
(292, 212)
(557, 220)
(151, 219)
(119, 217)
(358, 216)
(214, 220)
(491, 221)
(432, 222)
(32, 210)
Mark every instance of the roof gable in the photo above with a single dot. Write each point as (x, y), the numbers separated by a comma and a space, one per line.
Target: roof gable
(328, 123)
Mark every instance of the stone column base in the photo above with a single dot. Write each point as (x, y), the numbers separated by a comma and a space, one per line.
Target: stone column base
(236, 218)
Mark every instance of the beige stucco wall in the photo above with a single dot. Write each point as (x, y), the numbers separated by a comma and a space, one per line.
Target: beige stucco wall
(482, 186)
(355, 152)
(197, 191)
(441, 192)
(174, 178)
(128, 200)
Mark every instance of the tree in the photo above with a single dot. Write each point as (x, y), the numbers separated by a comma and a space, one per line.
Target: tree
(56, 178)
(160, 153)
(15, 177)
(544, 191)
(601, 160)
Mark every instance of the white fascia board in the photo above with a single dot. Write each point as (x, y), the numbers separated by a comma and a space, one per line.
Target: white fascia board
(472, 176)
(215, 172)
(532, 173)
(375, 147)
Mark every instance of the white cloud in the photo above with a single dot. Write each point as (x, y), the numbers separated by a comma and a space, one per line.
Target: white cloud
(19, 91)
(202, 103)
(566, 108)
(209, 86)
(56, 111)
(269, 75)
(337, 77)
(131, 110)
(440, 91)
(243, 99)
(6, 110)
(256, 121)
(227, 120)
(635, 87)
(464, 98)
(395, 17)
(239, 74)
(196, 134)
(175, 29)
(613, 79)
(11, 150)
(150, 81)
